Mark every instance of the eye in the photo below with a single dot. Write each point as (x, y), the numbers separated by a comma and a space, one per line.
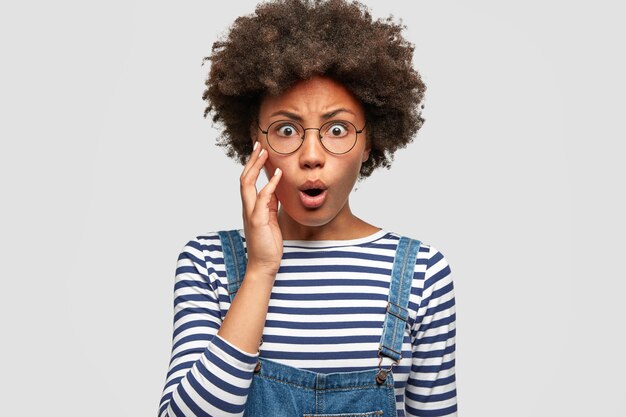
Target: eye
(286, 130)
(336, 130)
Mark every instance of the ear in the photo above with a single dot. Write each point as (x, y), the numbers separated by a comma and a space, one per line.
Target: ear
(366, 152)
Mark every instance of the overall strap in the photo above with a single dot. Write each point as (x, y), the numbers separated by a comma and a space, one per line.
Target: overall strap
(234, 259)
(397, 314)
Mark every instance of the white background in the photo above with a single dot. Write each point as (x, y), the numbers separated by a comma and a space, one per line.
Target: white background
(108, 168)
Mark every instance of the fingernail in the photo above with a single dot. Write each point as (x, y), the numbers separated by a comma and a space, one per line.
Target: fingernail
(256, 145)
(261, 153)
(277, 171)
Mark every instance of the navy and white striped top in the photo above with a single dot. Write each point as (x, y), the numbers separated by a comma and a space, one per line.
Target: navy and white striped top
(325, 314)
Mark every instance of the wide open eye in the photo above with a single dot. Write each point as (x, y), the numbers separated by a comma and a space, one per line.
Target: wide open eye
(336, 130)
(286, 131)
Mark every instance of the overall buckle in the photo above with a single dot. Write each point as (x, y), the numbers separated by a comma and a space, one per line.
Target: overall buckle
(381, 375)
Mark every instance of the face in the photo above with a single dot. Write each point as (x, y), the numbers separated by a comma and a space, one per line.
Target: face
(312, 103)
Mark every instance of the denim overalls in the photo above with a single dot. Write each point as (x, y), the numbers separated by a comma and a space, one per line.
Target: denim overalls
(279, 390)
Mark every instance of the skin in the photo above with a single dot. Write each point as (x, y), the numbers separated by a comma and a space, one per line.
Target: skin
(266, 223)
(310, 100)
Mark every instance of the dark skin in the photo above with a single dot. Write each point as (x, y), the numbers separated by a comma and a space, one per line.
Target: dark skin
(310, 101)
(266, 225)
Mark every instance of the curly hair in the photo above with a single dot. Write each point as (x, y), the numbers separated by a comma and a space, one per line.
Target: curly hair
(286, 41)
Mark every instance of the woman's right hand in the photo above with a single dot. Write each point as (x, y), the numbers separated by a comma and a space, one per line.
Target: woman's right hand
(264, 240)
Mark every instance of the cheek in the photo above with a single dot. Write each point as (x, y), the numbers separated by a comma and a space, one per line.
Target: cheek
(353, 166)
(285, 188)
(350, 174)
(270, 167)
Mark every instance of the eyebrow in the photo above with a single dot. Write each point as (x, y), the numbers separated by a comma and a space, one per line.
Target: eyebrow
(325, 116)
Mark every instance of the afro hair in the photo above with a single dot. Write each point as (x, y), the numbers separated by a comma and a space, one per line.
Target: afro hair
(286, 41)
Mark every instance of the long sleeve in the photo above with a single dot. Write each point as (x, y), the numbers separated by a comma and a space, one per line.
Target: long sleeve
(431, 387)
(207, 376)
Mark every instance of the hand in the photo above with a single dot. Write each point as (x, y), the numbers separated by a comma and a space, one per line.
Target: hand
(260, 222)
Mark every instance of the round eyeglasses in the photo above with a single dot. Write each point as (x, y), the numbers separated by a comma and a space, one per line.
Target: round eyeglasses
(286, 136)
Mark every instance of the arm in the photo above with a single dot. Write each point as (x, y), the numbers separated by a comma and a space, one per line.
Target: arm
(214, 380)
(431, 387)
(207, 376)
(243, 325)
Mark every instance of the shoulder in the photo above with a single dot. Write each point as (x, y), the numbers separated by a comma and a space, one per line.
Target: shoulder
(427, 255)
(208, 242)
(430, 266)
(204, 242)
(202, 259)
(204, 251)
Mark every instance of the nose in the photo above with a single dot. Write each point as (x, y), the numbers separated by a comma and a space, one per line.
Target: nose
(311, 153)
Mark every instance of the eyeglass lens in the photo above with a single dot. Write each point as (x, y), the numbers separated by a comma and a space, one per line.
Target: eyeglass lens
(337, 136)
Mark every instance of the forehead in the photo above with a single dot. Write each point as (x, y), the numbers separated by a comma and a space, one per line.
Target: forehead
(316, 95)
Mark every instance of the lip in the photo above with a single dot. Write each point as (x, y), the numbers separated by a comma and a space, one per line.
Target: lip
(313, 201)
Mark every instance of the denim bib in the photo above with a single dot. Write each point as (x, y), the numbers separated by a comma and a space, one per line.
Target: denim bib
(279, 390)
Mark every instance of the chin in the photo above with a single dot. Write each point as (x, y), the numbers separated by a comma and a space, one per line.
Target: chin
(309, 218)
(312, 220)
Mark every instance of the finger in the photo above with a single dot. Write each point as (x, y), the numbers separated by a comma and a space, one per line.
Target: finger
(270, 187)
(264, 197)
(248, 181)
(252, 158)
(256, 166)
(253, 167)
(273, 205)
(248, 199)
(250, 178)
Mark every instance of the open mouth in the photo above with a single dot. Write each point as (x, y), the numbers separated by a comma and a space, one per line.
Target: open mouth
(313, 192)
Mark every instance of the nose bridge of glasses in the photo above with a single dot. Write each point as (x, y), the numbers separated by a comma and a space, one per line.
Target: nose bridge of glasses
(319, 132)
(316, 144)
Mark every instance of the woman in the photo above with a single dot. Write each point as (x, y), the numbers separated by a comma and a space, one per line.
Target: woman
(310, 310)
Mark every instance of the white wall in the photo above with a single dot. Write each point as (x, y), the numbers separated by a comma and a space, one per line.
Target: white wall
(107, 170)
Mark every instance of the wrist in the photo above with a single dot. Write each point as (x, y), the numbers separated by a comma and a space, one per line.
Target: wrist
(259, 276)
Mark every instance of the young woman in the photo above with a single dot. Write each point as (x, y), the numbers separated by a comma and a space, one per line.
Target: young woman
(310, 310)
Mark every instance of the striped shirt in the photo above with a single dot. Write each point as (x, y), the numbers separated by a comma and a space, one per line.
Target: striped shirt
(325, 314)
